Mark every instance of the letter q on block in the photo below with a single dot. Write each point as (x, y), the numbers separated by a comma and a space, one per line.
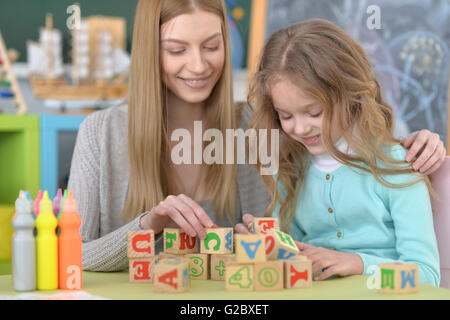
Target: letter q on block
(141, 244)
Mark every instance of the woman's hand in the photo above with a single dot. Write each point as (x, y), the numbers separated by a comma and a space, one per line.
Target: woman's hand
(428, 148)
(331, 262)
(243, 227)
(178, 211)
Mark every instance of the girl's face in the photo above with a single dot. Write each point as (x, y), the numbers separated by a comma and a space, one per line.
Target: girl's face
(301, 116)
(192, 55)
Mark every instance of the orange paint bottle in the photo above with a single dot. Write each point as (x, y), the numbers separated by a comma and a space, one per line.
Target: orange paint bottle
(70, 246)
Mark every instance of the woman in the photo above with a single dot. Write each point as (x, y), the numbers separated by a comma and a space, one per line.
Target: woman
(122, 175)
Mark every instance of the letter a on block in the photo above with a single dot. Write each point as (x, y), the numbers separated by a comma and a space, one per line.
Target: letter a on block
(168, 278)
(251, 248)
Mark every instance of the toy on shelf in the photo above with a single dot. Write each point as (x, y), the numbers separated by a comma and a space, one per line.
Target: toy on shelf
(9, 87)
(238, 260)
(100, 64)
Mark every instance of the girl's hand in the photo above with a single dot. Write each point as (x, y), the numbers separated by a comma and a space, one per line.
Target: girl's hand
(428, 148)
(334, 262)
(243, 227)
(178, 211)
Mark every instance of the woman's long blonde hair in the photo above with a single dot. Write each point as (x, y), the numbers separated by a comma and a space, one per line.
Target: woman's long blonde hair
(331, 67)
(148, 137)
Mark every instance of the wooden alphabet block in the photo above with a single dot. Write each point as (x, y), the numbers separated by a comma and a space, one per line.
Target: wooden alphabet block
(179, 242)
(239, 277)
(141, 269)
(171, 275)
(217, 241)
(198, 265)
(399, 278)
(297, 273)
(250, 248)
(269, 275)
(298, 257)
(263, 225)
(219, 263)
(141, 244)
(280, 245)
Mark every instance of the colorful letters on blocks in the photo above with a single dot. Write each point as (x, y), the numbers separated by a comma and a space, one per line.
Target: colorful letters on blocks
(245, 270)
(269, 275)
(297, 273)
(217, 241)
(263, 225)
(141, 269)
(280, 245)
(399, 278)
(250, 248)
(141, 244)
(198, 265)
(179, 242)
(171, 275)
(69, 245)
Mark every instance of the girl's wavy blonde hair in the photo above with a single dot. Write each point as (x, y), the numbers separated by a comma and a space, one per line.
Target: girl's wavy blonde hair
(148, 136)
(332, 68)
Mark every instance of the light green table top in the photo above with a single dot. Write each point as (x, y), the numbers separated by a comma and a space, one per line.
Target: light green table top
(117, 286)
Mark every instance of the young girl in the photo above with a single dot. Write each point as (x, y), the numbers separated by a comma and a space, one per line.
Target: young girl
(343, 189)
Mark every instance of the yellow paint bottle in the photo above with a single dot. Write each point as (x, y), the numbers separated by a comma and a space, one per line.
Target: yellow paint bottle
(46, 246)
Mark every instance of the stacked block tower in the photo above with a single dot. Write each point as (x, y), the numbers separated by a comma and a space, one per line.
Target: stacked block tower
(267, 259)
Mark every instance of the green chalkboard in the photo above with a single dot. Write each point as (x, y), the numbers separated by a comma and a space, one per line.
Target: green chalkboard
(20, 20)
